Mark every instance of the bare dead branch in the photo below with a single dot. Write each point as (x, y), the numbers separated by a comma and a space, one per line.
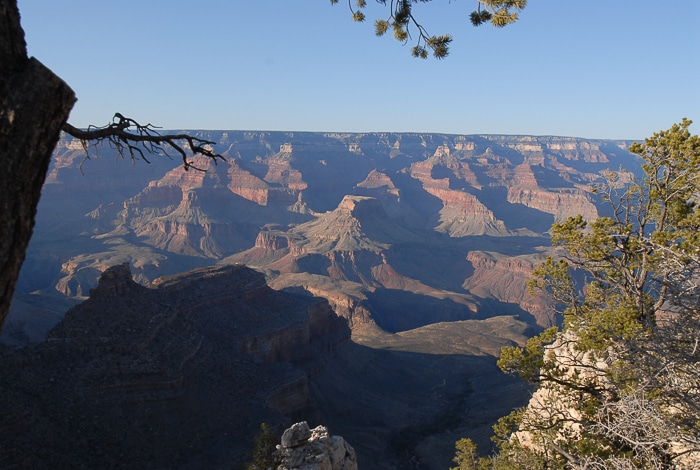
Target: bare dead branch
(143, 138)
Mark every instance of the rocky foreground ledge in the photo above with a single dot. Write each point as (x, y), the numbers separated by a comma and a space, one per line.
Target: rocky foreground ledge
(314, 449)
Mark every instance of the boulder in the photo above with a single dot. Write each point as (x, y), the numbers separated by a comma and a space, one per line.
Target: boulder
(314, 449)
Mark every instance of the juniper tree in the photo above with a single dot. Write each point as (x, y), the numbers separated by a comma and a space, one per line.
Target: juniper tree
(619, 385)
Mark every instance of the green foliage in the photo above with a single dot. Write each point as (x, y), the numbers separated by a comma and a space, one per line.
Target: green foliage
(618, 387)
(402, 21)
(264, 455)
(480, 17)
(499, 12)
(507, 425)
(439, 45)
(604, 317)
(554, 279)
(528, 361)
(466, 456)
(381, 27)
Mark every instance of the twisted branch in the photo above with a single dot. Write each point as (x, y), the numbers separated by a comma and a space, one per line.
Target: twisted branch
(142, 138)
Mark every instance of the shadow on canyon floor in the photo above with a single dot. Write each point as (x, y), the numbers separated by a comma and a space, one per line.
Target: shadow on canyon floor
(181, 375)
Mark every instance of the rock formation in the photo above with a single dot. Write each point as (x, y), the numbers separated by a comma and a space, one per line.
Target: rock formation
(355, 246)
(462, 213)
(629, 418)
(505, 278)
(180, 374)
(314, 449)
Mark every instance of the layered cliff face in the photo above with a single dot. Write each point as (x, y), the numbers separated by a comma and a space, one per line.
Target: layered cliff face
(504, 278)
(283, 201)
(462, 213)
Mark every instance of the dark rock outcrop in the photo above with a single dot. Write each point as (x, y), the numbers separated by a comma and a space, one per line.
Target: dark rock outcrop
(176, 375)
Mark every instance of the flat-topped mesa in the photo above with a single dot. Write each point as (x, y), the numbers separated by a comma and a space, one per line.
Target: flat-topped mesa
(458, 185)
(561, 204)
(505, 278)
(360, 205)
(271, 241)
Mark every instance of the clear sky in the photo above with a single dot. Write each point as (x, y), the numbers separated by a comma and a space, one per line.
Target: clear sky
(619, 69)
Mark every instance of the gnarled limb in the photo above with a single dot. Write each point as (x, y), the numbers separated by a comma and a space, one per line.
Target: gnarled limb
(143, 137)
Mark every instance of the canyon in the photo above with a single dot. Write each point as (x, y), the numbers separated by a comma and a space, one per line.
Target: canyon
(365, 282)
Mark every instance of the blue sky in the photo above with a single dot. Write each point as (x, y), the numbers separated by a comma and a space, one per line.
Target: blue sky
(618, 69)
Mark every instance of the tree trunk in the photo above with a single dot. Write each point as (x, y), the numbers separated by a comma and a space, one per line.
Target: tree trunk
(34, 105)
